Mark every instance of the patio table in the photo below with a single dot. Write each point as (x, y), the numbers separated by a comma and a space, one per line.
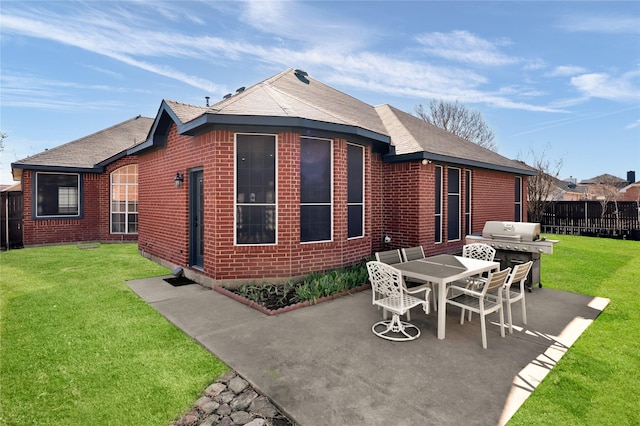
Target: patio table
(444, 269)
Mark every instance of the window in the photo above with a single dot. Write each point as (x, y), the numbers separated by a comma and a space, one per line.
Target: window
(355, 191)
(453, 204)
(438, 204)
(467, 202)
(124, 200)
(315, 189)
(517, 216)
(255, 189)
(57, 194)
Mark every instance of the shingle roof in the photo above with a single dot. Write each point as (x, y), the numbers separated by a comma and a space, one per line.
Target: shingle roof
(90, 151)
(292, 95)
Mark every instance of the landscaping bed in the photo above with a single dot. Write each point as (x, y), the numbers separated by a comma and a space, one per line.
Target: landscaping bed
(276, 298)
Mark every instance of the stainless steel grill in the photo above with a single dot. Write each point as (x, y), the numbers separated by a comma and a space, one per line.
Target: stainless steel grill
(515, 243)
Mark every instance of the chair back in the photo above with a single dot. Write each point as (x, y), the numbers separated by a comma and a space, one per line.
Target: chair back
(386, 282)
(479, 251)
(389, 257)
(413, 253)
(495, 282)
(519, 274)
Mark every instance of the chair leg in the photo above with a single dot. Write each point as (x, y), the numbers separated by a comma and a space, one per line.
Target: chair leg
(483, 327)
(524, 311)
(509, 317)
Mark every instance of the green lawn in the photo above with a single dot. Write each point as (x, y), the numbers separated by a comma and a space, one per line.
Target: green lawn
(78, 347)
(598, 381)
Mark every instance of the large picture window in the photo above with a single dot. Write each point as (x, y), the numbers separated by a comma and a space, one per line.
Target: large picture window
(517, 215)
(124, 200)
(438, 204)
(453, 204)
(355, 190)
(255, 189)
(57, 194)
(316, 209)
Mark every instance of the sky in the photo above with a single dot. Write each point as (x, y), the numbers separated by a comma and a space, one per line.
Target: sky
(555, 81)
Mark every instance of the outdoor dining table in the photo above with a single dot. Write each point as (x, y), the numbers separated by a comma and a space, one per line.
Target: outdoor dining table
(443, 270)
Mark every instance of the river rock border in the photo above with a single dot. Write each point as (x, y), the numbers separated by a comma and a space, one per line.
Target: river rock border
(231, 401)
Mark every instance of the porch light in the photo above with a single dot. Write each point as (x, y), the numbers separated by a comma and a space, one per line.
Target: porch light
(177, 181)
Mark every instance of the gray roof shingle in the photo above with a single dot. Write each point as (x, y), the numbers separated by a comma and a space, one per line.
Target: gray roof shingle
(90, 151)
(291, 94)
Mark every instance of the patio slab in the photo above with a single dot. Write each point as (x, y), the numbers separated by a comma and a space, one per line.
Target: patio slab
(322, 365)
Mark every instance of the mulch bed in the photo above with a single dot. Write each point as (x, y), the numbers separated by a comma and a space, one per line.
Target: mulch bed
(273, 309)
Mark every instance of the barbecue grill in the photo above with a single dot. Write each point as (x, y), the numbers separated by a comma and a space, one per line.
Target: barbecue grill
(515, 243)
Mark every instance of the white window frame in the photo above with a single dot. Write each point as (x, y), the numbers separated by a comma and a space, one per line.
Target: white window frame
(235, 189)
(331, 204)
(127, 186)
(438, 212)
(518, 205)
(459, 195)
(363, 204)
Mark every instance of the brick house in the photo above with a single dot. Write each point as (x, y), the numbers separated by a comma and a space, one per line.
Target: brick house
(85, 190)
(291, 176)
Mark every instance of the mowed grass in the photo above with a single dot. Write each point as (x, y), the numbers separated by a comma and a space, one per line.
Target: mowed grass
(78, 347)
(597, 382)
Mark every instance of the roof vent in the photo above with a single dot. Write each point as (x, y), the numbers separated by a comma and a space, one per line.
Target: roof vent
(240, 89)
(206, 98)
(302, 75)
(227, 96)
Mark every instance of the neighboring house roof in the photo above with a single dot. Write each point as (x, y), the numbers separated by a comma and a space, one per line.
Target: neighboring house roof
(90, 153)
(16, 187)
(605, 178)
(292, 99)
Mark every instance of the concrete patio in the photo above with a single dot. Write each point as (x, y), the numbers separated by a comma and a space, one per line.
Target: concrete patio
(322, 365)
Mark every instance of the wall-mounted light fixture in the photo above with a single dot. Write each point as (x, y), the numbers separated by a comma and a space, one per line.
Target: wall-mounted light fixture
(425, 162)
(177, 181)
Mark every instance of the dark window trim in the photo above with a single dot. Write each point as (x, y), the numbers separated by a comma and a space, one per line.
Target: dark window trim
(34, 197)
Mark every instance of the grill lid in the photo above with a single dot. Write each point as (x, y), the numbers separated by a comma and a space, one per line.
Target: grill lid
(511, 231)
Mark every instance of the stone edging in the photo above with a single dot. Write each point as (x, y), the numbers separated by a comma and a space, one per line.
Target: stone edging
(258, 307)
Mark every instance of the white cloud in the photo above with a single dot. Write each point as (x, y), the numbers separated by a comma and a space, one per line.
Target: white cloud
(601, 85)
(565, 71)
(462, 46)
(611, 24)
(633, 125)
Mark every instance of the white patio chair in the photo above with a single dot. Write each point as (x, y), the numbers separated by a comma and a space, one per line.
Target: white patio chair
(518, 275)
(390, 293)
(480, 251)
(415, 253)
(478, 301)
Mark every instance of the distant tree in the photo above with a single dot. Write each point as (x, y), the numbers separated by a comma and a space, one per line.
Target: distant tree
(606, 191)
(456, 118)
(3, 136)
(541, 187)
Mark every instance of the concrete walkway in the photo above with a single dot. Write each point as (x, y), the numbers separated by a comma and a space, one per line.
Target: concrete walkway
(322, 365)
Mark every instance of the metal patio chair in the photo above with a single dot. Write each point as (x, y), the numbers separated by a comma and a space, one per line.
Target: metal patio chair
(391, 294)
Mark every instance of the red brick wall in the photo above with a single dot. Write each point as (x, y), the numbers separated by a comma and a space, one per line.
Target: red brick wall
(399, 202)
(93, 225)
(407, 194)
(164, 214)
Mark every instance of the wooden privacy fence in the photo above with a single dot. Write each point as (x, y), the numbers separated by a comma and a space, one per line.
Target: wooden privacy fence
(587, 218)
